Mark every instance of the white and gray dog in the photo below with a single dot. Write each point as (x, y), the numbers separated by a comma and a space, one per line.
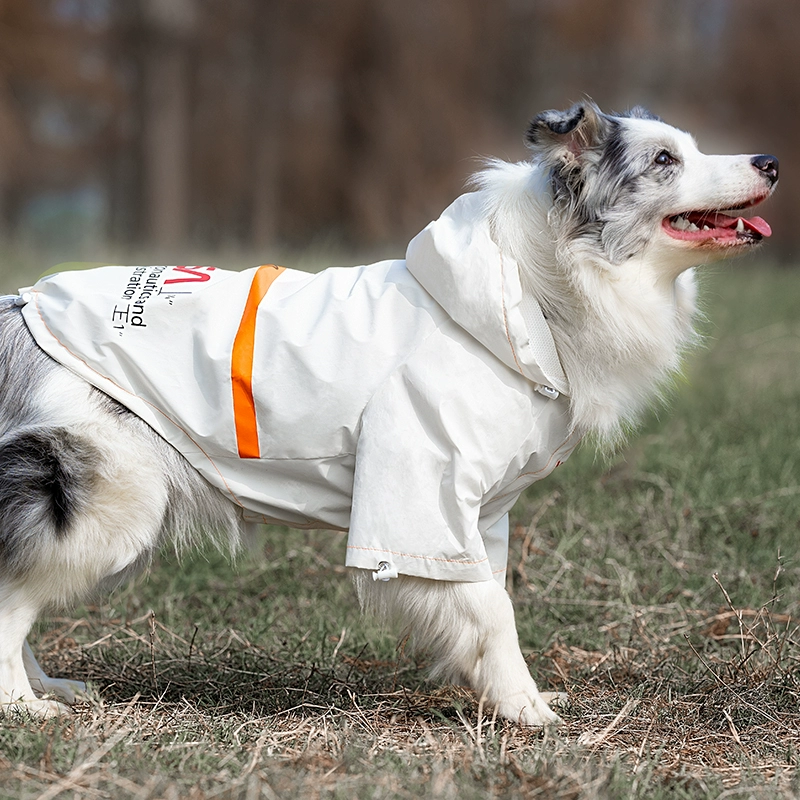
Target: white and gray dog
(409, 402)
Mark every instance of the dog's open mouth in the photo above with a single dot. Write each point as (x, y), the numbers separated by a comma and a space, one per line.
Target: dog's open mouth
(716, 227)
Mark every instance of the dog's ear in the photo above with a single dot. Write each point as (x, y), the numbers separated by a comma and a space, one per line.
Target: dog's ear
(640, 112)
(564, 135)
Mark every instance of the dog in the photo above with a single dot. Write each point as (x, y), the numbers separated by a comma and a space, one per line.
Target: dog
(409, 402)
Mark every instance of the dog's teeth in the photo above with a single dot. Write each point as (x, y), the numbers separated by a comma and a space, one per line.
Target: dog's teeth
(706, 228)
(740, 225)
(683, 224)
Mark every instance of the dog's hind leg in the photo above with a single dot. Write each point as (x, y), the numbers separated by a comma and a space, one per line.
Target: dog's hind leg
(17, 614)
(469, 630)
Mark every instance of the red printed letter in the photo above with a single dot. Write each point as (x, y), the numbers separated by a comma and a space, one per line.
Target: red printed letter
(193, 275)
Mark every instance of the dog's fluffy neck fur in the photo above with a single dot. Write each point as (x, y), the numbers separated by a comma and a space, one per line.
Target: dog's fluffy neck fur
(620, 330)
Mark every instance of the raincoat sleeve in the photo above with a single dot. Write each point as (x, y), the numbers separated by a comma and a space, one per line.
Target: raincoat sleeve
(436, 439)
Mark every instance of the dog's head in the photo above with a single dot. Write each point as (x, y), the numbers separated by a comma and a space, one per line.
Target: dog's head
(631, 183)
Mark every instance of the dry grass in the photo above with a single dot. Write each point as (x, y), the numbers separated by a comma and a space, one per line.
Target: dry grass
(691, 703)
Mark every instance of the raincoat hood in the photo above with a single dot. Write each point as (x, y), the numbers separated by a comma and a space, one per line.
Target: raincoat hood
(458, 262)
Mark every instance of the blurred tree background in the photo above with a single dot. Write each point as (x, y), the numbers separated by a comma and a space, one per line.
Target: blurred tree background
(263, 123)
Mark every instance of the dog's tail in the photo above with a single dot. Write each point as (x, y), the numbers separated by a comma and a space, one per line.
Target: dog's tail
(45, 479)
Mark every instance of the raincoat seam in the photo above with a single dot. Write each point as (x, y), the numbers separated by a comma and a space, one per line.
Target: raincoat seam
(412, 555)
(556, 454)
(505, 315)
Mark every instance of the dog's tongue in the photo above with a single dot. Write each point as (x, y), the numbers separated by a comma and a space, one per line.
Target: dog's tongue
(755, 224)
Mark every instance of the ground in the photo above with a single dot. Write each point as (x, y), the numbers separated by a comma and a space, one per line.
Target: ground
(659, 589)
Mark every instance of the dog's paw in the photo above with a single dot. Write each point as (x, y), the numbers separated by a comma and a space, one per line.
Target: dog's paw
(531, 711)
(40, 709)
(64, 689)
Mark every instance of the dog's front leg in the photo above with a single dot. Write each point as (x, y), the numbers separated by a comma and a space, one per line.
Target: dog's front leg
(491, 658)
(469, 630)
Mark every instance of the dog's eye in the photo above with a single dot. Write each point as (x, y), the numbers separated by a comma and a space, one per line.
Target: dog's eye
(664, 159)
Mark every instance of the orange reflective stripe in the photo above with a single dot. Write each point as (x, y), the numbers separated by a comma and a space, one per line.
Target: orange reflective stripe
(244, 406)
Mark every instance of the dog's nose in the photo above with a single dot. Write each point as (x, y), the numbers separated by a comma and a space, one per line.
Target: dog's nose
(768, 165)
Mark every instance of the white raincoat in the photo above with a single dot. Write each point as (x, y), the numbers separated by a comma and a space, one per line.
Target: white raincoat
(409, 402)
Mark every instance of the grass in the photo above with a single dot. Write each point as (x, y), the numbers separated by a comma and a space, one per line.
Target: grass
(659, 589)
